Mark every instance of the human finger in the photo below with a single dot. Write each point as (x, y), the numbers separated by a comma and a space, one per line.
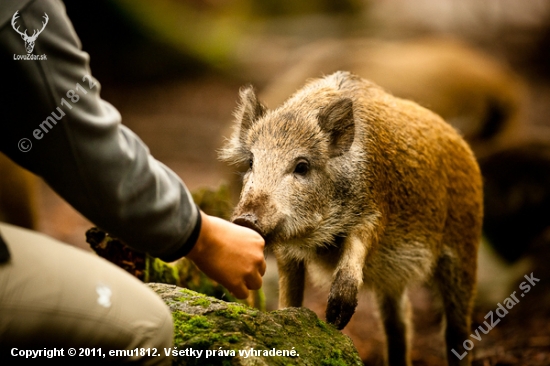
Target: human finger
(240, 292)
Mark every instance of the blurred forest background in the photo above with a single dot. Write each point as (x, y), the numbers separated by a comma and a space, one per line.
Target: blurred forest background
(173, 68)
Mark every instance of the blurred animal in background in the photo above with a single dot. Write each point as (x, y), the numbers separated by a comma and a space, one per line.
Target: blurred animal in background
(18, 195)
(362, 189)
(517, 201)
(516, 223)
(475, 92)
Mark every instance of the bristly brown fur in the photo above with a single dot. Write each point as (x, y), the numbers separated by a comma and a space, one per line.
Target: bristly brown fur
(362, 189)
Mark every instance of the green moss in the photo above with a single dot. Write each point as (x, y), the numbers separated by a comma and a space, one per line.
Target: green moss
(234, 326)
(235, 311)
(233, 338)
(160, 272)
(200, 321)
(201, 301)
(192, 327)
(215, 202)
(324, 326)
(259, 298)
(335, 359)
(196, 331)
(186, 291)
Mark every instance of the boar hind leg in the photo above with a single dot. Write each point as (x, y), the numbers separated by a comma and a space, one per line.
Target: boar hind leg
(395, 312)
(291, 283)
(456, 287)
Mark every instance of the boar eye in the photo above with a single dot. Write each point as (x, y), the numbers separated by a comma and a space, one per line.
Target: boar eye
(301, 168)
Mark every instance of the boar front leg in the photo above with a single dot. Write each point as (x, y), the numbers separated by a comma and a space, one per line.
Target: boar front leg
(348, 278)
(292, 276)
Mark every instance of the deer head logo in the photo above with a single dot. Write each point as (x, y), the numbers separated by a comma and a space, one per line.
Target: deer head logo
(29, 41)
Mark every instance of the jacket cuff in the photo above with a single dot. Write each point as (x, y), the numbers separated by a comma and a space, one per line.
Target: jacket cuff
(189, 243)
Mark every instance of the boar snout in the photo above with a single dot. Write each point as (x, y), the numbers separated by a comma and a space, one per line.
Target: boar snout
(250, 221)
(257, 211)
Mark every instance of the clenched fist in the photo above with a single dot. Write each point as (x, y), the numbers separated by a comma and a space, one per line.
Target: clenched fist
(230, 254)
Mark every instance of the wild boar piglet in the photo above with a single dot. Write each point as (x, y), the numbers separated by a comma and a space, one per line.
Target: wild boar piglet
(362, 190)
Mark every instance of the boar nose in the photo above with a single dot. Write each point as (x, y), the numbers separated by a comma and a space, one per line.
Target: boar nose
(250, 221)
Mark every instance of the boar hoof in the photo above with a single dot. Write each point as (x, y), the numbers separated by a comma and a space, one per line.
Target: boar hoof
(339, 312)
(342, 300)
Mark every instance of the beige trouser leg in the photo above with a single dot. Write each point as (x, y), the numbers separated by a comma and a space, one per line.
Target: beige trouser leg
(55, 295)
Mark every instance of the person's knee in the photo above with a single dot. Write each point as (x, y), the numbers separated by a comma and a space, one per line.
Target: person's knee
(153, 339)
(165, 337)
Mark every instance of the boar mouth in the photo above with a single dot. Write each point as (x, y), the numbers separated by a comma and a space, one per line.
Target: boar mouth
(250, 222)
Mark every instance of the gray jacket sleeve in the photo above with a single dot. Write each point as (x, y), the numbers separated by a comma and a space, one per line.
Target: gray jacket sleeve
(57, 126)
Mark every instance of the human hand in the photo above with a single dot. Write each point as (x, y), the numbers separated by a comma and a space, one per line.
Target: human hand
(230, 254)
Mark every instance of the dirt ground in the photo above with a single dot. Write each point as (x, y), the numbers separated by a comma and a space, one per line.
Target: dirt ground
(183, 123)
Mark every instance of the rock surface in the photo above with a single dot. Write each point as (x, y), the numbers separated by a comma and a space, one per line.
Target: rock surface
(213, 332)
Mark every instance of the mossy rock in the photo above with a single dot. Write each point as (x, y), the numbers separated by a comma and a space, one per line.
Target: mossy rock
(233, 334)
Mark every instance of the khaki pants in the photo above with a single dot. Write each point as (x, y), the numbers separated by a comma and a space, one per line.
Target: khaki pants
(55, 295)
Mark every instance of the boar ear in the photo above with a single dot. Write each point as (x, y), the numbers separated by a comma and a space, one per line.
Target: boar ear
(247, 113)
(337, 121)
(249, 110)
